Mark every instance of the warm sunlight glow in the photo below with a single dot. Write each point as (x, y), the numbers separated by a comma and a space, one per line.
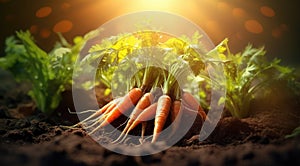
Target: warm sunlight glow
(238, 13)
(157, 3)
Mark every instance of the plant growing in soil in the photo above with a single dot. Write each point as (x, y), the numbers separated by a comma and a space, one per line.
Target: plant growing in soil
(296, 132)
(49, 74)
(246, 73)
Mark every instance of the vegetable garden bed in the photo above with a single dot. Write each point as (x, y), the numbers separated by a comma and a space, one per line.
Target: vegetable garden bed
(256, 127)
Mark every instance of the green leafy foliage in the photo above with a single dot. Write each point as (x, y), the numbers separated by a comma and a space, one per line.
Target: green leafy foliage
(49, 74)
(296, 132)
(111, 53)
(246, 73)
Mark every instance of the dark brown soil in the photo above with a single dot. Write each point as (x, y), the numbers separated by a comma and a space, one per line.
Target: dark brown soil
(29, 137)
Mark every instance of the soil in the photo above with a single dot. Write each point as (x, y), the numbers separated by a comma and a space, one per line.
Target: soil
(29, 137)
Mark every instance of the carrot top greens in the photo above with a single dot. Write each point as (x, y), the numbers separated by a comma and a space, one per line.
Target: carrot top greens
(52, 73)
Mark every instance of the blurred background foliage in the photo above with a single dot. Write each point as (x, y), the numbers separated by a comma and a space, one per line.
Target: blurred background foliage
(274, 24)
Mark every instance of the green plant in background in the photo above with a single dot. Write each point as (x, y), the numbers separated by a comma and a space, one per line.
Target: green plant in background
(246, 73)
(49, 74)
(296, 132)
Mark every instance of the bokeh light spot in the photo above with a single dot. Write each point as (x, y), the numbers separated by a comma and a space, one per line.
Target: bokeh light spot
(65, 6)
(279, 31)
(276, 33)
(238, 12)
(223, 6)
(253, 26)
(267, 11)
(43, 12)
(284, 27)
(45, 33)
(63, 26)
(33, 29)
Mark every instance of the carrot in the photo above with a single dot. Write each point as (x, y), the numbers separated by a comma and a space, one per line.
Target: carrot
(142, 104)
(162, 112)
(100, 111)
(147, 114)
(145, 102)
(110, 106)
(175, 115)
(189, 99)
(176, 106)
(97, 113)
(128, 102)
(144, 124)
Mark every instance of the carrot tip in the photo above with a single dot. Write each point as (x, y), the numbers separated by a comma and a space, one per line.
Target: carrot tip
(103, 124)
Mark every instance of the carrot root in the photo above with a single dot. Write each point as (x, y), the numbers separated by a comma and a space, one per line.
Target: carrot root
(142, 104)
(128, 102)
(147, 114)
(175, 115)
(192, 103)
(162, 112)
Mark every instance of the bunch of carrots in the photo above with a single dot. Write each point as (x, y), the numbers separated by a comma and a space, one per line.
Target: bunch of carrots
(157, 97)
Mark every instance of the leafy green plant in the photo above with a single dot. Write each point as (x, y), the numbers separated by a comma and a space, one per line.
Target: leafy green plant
(296, 132)
(49, 74)
(246, 73)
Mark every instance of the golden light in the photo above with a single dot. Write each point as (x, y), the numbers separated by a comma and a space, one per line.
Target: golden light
(238, 13)
(236, 20)
(157, 4)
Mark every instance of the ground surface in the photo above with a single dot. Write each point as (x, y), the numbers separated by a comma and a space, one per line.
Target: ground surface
(29, 137)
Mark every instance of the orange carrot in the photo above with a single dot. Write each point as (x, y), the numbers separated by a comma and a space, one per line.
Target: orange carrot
(102, 113)
(142, 104)
(193, 104)
(110, 106)
(189, 99)
(97, 113)
(176, 106)
(202, 113)
(113, 105)
(147, 114)
(128, 102)
(162, 112)
(175, 115)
